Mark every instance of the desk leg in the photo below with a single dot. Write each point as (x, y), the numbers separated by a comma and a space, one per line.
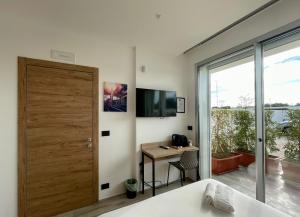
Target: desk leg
(143, 173)
(153, 177)
(198, 173)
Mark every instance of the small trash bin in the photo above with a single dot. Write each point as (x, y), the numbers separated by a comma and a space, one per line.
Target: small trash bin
(131, 188)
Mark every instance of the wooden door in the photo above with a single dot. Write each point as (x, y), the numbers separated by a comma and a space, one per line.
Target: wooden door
(58, 137)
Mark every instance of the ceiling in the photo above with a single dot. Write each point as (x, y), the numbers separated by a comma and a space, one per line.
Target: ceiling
(182, 23)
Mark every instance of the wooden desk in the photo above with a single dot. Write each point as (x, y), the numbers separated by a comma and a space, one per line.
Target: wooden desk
(155, 153)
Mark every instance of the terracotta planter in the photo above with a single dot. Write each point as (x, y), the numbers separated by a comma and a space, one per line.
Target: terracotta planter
(291, 172)
(246, 159)
(227, 164)
(273, 165)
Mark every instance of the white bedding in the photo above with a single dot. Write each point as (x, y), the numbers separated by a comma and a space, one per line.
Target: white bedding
(188, 202)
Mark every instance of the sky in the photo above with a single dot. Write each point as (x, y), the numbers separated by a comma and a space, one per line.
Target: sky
(281, 81)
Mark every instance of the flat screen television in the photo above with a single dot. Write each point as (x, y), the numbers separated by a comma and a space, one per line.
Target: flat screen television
(155, 103)
(168, 103)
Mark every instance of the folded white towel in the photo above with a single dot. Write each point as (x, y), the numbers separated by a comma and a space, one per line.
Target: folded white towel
(223, 199)
(209, 193)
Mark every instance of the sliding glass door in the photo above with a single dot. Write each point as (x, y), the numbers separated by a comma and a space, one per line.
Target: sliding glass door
(282, 123)
(249, 121)
(232, 121)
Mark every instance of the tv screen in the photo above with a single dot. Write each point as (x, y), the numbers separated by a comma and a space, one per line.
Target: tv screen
(168, 103)
(147, 103)
(155, 103)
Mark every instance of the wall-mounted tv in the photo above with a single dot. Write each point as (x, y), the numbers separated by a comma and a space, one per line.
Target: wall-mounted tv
(155, 103)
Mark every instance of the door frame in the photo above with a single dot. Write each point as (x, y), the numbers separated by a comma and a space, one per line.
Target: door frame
(259, 123)
(256, 51)
(23, 62)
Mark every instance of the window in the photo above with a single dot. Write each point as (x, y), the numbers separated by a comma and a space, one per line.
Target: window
(249, 121)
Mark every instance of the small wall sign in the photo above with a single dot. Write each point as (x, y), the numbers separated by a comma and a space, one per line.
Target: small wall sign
(180, 105)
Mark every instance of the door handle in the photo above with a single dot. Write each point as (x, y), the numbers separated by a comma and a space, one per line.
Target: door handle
(90, 144)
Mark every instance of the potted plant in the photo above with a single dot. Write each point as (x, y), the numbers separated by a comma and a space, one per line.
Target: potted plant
(291, 163)
(244, 136)
(223, 157)
(271, 133)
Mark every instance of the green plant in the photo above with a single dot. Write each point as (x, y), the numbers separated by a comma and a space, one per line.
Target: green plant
(222, 131)
(235, 130)
(244, 136)
(271, 133)
(292, 148)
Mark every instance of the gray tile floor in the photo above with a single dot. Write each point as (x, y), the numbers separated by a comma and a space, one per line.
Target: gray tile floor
(279, 193)
(116, 202)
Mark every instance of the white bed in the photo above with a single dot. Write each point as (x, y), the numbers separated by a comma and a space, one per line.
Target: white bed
(188, 202)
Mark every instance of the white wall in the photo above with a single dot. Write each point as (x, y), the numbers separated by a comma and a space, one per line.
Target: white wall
(115, 63)
(163, 72)
(278, 15)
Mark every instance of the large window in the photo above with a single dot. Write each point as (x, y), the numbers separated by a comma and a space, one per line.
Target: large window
(232, 119)
(282, 125)
(252, 101)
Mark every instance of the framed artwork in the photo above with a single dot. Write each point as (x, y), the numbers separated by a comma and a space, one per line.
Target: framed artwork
(180, 105)
(115, 97)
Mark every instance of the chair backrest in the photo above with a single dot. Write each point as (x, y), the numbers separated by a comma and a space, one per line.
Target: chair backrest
(189, 159)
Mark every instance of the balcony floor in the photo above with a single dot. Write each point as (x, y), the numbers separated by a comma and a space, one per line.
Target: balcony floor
(279, 193)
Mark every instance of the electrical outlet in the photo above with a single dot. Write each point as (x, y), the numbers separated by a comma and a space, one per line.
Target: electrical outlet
(105, 186)
(190, 127)
(105, 133)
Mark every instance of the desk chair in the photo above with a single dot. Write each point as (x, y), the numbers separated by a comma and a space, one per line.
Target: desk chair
(188, 161)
